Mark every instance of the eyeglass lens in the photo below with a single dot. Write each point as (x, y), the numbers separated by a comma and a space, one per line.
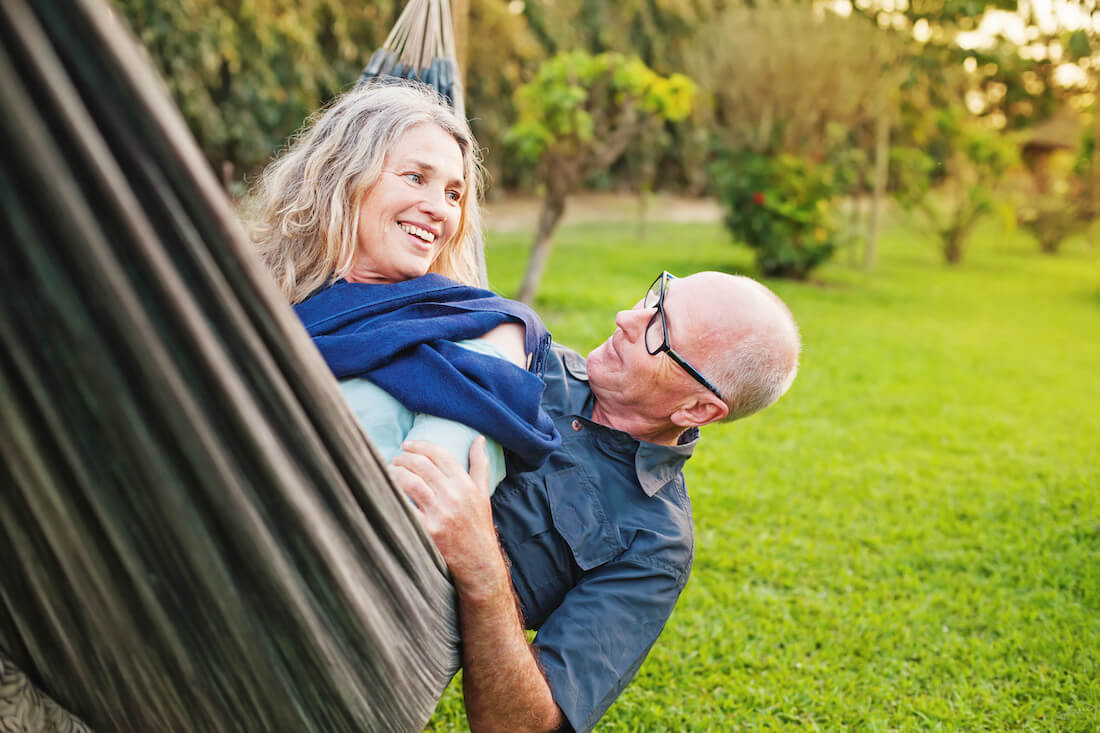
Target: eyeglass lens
(655, 331)
(653, 295)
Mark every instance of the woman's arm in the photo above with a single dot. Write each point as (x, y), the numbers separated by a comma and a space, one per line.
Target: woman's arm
(509, 338)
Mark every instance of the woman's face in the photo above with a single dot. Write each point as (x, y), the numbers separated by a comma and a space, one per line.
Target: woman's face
(413, 208)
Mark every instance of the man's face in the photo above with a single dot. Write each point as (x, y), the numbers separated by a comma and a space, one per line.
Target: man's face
(625, 376)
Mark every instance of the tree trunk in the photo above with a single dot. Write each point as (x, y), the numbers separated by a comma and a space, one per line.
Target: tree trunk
(952, 247)
(553, 206)
(644, 197)
(857, 220)
(476, 255)
(227, 177)
(1095, 188)
(956, 234)
(878, 196)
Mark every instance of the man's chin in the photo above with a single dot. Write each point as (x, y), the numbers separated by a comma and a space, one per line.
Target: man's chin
(599, 354)
(601, 362)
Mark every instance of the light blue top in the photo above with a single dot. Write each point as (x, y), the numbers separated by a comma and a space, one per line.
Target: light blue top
(388, 423)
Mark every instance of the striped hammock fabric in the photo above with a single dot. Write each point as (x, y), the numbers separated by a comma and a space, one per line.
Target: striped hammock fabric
(196, 534)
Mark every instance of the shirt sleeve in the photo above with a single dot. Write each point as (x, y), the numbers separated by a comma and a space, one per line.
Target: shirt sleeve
(593, 644)
(457, 439)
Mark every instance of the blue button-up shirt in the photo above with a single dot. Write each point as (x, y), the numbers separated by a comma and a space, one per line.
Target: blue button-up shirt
(601, 543)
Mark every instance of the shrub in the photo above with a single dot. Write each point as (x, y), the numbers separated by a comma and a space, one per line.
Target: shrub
(1058, 202)
(778, 206)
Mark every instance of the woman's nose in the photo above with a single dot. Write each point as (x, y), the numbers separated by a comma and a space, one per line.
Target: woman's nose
(434, 203)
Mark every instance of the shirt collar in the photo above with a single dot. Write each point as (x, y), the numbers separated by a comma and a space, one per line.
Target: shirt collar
(575, 363)
(654, 464)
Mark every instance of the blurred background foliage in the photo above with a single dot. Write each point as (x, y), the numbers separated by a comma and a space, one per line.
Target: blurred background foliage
(577, 117)
(246, 73)
(941, 107)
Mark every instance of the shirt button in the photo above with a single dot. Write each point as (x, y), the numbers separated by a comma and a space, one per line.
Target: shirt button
(577, 426)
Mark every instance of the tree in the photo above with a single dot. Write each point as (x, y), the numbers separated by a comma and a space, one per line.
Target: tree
(967, 160)
(779, 73)
(245, 75)
(576, 117)
(1011, 70)
(796, 85)
(503, 53)
(662, 34)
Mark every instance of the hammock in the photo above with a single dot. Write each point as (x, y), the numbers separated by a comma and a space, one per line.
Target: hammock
(197, 535)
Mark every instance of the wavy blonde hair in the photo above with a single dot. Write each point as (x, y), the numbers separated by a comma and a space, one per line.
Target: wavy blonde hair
(303, 213)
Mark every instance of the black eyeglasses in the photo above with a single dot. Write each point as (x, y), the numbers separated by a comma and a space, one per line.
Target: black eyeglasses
(656, 339)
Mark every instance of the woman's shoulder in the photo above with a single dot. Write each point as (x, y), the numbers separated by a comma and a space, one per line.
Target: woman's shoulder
(509, 339)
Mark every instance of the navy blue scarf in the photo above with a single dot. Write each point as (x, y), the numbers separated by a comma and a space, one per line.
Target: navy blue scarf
(400, 336)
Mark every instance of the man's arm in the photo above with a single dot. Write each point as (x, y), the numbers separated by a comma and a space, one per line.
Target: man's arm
(504, 688)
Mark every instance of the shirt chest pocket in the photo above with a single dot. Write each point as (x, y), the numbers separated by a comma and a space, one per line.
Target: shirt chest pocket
(579, 517)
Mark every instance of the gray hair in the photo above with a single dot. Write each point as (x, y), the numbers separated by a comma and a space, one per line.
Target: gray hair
(303, 214)
(761, 366)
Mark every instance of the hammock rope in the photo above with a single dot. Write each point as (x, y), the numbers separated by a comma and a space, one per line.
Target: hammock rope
(200, 537)
(421, 46)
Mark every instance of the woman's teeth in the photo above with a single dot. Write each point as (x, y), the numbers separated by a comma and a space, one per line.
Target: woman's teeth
(417, 232)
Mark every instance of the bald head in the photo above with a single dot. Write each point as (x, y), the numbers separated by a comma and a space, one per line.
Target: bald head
(752, 352)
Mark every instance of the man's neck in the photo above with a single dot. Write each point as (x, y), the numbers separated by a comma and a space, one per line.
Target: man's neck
(639, 428)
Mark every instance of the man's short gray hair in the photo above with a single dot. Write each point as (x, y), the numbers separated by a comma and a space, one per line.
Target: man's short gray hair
(761, 366)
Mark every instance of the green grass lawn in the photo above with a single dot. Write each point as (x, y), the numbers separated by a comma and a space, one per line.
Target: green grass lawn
(910, 539)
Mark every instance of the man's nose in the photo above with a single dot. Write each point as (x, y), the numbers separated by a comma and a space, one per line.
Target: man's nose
(630, 321)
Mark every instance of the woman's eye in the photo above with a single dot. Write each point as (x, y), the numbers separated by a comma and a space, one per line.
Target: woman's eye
(454, 196)
(414, 177)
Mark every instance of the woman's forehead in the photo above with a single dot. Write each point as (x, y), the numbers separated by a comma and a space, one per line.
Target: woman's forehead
(430, 144)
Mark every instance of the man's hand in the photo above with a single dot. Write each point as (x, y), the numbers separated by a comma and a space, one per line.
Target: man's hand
(453, 507)
(502, 685)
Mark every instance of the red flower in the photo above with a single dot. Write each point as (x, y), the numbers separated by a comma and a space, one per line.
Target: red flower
(758, 198)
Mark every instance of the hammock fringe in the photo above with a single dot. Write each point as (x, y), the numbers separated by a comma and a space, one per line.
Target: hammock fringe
(421, 47)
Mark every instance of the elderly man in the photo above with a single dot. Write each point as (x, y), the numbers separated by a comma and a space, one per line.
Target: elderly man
(599, 538)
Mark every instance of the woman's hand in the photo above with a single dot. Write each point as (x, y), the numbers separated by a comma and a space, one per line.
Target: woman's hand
(453, 507)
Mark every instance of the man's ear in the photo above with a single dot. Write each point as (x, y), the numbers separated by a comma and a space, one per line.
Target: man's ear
(700, 411)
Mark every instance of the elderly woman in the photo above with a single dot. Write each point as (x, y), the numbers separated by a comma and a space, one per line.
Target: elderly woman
(367, 222)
